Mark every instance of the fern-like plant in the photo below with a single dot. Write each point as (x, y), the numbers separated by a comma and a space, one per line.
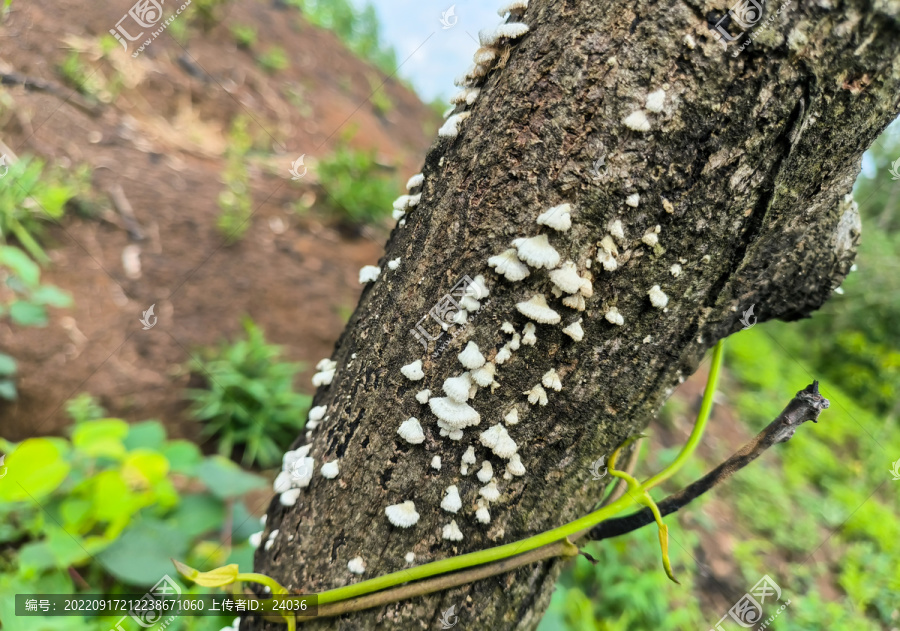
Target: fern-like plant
(249, 403)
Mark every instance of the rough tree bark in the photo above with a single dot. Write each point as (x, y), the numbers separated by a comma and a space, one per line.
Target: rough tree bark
(746, 170)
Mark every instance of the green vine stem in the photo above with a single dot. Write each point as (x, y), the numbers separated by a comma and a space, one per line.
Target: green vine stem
(497, 553)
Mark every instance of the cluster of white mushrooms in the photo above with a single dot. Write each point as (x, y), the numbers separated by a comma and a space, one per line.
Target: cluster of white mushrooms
(452, 408)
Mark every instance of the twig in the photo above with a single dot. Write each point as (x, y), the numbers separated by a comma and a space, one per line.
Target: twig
(123, 207)
(806, 405)
(39, 85)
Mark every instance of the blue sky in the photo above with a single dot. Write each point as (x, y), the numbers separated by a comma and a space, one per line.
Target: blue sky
(431, 63)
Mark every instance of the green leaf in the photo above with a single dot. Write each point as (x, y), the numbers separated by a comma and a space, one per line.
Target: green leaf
(20, 264)
(183, 456)
(34, 470)
(198, 514)
(143, 468)
(28, 314)
(102, 437)
(7, 365)
(225, 479)
(51, 295)
(218, 577)
(8, 390)
(140, 556)
(146, 434)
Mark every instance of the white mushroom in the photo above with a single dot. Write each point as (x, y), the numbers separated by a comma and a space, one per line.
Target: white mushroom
(651, 237)
(529, 337)
(422, 396)
(484, 376)
(410, 430)
(394, 263)
(575, 331)
(498, 440)
(537, 309)
(457, 388)
(537, 252)
(455, 415)
(633, 200)
(509, 266)
(566, 278)
(614, 317)
(485, 56)
(637, 121)
(558, 217)
(502, 355)
(537, 395)
(515, 466)
(486, 473)
(451, 532)
(482, 514)
(416, 180)
(575, 301)
(511, 30)
(471, 357)
(507, 327)
(402, 515)
(369, 274)
(490, 492)
(356, 565)
(615, 229)
(330, 470)
(514, 6)
(655, 101)
(551, 380)
(450, 128)
(436, 463)
(413, 371)
(512, 417)
(451, 502)
(657, 297)
(288, 498)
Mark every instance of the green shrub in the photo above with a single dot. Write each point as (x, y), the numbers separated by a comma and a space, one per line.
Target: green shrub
(249, 402)
(105, 506)
(273, 60)
(357, 187)
(235, 202)
(244, 36)
(27, 200)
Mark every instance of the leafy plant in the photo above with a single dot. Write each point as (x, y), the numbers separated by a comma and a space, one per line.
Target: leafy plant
(26, 200)
(249, 402)
(356, 184)
(109, 506)
(235, 201)
(273, 60)
(244, 36)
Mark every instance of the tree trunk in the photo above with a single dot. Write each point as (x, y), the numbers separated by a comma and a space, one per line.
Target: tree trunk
(747, 171)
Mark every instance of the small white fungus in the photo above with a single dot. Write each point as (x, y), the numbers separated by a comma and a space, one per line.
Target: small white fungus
(394, 264)
(369, 274)
(469, 456)
(455, 415)
(515, 466)
(416, 180)
(529, 337)
(410, 430)
(502, 355)
(451, 502)
(471, 357)
(537, 252)
(436, 463)
(537, 395)
(667, 205)
(318, 412)
(482, 514)
(484, 376)
(289, 498)
(422, 396)
(410, 557)
(566, 278)
(490, 492)
(675, 270)
(657, 297)
(517, 339)
(323, 378)
(633, 200)
(637, 121)
(451, 532)
(498, 440)
(536, 308)
(575, 331)
(558, 217)
(413, 371)
(655, 101)
(509, 266)
(330, 470)
(508, 328)
(575, 301)
(356, 565)
(511, 30)
(457, 388)
(485, 56)
(512, 417)
(514, 6)
(450, 128)
(551, 380)
(614, 317)
(402, 515)
(255, 539)
(651, 237)
(486, 473)
(615, 229)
